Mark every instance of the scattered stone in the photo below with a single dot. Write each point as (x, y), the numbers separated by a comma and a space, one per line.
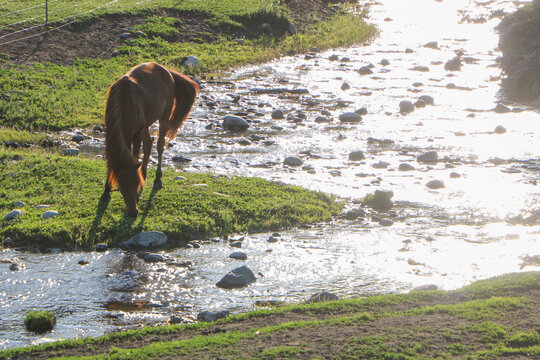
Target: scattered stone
(501, 109)
(235, 123)
(274, 238)
(427, 99)
(237, 278)
(101, 247)
(333, 57)
(50, 214)
(356, 155)
(384, 62)
(83, 262)
(345, 86)
(355, 214)
(454, 175)
(70, 152)
(278, 115)
(380, 165)
(428, 157)
(499, 130)
(19, 204)
(150, 239)
(322, 297)
(381, 199)
(181, 263)
(209, 316)
(435, 184)
(192, 62)
(236, 244)
(350, 117)
(14, 267)
(386, 222)
(420, 68)
(427, 287)
(78, 138)
(238, 255)
(453, 64)
(419, 104)
(12, 215)
(293, 161)
(153, 258)
(365, 70)
(406, 107)
(432, 45)
(321, 119)
(406, 167)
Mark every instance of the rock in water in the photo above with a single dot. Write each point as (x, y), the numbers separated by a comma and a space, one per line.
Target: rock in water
(234, 123)
(148, 240)
(237, 278)
(293, 161)
(435, 184)
(350, 117)
(356, 155)
(406, 107)
(209, 316)
(192, 62)
(428, 157)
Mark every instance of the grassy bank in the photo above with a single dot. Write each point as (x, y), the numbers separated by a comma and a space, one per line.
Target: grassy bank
(50, 97)
(194, 207)
(492, 319)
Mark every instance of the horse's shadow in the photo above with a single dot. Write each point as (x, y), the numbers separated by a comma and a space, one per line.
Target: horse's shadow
(125, 224)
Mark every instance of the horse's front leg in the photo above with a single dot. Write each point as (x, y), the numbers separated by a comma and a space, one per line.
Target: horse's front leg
(160, 147)
(147, 150)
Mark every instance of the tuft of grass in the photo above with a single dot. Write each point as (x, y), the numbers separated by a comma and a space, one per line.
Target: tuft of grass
(39, 321)
(523, 340)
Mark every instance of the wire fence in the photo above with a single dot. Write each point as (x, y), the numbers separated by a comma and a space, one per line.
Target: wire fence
(42, 19)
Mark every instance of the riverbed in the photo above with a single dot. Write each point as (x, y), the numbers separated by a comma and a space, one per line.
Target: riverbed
(483, 222)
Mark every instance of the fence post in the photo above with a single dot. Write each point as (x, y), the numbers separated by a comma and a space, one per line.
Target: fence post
(47, 15)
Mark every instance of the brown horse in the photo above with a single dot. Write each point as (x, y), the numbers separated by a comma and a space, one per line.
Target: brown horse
(148, 92)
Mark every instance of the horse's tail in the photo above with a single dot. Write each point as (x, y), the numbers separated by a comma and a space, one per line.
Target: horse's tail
(120, 105)
(185, 94)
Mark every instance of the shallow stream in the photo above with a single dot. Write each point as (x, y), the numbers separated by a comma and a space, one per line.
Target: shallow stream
(485, 221)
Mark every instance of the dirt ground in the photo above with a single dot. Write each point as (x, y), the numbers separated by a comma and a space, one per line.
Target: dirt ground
(97, 39)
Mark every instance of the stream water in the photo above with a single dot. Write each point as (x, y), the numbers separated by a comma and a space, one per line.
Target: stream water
(484, 222)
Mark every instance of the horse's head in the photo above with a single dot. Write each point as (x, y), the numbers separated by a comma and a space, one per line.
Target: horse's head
(130, 182)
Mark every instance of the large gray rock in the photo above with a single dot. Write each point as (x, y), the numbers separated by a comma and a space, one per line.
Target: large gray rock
(356, 155)
(234, 123)
(150, 239)
(381, 199)
(13, 215)
(406, 107)
(192, 62)
(435, 184)
(237, 278)
(428, 157)
(293, 161)
(350, 117)
(322, 297)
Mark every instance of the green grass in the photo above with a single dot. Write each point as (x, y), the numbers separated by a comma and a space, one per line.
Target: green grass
(72, 186)
(58, 97)
(485, 340)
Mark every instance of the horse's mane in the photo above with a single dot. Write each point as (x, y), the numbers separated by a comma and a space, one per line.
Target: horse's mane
(185, 94)
(117, 152)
